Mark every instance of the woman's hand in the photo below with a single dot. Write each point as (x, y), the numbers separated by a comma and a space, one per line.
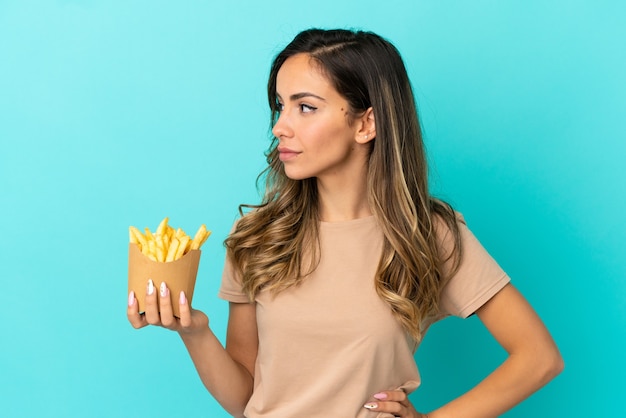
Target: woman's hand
(229, 376)
(395, 402)
(189, 322)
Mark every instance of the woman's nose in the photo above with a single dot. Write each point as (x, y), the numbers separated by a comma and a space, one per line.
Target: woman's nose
(281, 127)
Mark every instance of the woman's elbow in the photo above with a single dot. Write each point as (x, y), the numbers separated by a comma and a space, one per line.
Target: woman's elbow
(551, 365)
(557, 365)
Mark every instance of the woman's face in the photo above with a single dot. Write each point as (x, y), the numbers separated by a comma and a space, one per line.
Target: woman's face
(315, 138)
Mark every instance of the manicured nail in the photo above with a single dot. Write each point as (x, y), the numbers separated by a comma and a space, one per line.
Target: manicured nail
(370, 405)
(163, 289)
(182, 299)
(131, 298)
(150, 287)
(380, 396)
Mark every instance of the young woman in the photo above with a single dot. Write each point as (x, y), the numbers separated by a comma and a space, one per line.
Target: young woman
(335, 277)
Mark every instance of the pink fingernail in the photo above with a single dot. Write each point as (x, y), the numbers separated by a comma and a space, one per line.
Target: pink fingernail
(163, 289)
(370, 405)
(380, 396)
(150, 287)
(131, 298)
(182, 299)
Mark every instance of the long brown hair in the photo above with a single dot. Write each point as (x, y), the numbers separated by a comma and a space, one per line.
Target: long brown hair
(268, 243)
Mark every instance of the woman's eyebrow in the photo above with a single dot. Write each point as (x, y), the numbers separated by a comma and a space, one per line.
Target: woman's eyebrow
(298, 96)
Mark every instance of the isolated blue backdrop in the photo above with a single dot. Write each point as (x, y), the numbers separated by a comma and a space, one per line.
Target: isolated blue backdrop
(117, 113)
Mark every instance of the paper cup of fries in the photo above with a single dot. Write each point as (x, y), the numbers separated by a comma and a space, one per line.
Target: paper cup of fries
(167, 255)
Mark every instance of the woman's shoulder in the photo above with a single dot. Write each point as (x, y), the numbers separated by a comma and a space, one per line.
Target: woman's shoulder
(447, 226)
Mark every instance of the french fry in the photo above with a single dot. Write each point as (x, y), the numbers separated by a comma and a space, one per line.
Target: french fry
(170, 233)
(199, 237)
(207, 234)
(152, 250)
(138, 236)
(162, 226)
(133, 237)
(172, 250)
(166, 243)
(160, 248)
(182, 247)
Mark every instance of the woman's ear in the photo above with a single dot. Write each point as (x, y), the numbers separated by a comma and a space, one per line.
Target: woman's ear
(367, 127)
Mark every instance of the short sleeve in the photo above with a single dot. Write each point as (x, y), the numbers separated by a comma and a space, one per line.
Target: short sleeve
(478, 278)
(230, 288)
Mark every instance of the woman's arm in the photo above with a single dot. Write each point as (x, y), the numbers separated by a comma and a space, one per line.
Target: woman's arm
(227, 373)
(533, 360)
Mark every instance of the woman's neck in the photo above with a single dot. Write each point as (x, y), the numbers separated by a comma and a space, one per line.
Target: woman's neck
(343, 200)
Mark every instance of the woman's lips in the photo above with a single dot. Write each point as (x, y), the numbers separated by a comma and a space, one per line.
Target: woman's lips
(286, 154)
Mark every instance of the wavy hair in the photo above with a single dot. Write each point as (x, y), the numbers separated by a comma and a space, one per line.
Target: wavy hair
(275, 245)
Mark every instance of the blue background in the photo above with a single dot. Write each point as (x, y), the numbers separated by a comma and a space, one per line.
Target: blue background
(117, 113)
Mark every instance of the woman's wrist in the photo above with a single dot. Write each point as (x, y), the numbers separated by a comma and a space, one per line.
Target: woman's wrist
(193, 335)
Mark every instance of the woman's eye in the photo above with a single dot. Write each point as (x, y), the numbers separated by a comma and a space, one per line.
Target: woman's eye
(280, 107)
(304, 108)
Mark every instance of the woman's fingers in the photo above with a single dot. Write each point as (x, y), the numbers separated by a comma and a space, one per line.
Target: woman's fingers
(159, 310)
(393, 395)
(395, 402)
(152, 307)
(394, 408)
(167, 316)
(185, 311)
(135, 319)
